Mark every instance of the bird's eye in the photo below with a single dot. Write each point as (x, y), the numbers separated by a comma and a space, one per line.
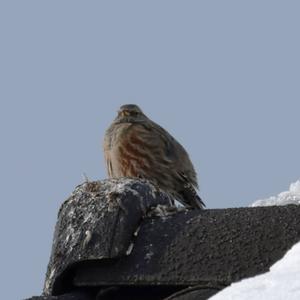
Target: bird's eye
(125, 113)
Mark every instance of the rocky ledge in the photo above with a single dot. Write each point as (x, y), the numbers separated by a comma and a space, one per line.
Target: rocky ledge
(122, 239)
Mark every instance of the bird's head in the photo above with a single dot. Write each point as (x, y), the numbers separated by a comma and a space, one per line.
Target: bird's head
(130, 113)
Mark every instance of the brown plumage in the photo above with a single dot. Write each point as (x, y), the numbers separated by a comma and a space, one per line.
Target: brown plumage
(135, 146)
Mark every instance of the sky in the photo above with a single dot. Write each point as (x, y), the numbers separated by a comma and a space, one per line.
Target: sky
(221, 76)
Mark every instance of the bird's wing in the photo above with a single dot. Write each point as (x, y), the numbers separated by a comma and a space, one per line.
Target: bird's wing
(174, 153)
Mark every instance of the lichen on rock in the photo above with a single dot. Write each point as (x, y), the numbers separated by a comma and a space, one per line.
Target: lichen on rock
(98, 221)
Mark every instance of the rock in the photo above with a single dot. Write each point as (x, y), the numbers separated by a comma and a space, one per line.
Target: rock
(122, 239)
(98, 222)
(214, 247)
(75, 295)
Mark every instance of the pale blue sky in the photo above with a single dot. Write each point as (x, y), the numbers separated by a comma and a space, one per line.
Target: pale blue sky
(221, 76)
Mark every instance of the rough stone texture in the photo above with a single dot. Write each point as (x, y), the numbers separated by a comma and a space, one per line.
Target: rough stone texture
(98, 221)
(136, 293)
(196, 247)
(98, 253)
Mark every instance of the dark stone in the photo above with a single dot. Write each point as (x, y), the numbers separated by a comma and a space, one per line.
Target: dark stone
(196, 247)
(199, 247)
(98, 222)
(182, 255)
(198, 292)
(74, 295)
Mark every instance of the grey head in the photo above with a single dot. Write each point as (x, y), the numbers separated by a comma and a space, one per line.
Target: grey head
(130, 113)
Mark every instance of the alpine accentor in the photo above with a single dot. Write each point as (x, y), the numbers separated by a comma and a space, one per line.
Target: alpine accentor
(135, 146)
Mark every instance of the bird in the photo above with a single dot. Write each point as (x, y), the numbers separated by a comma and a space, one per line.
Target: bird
(135, 146)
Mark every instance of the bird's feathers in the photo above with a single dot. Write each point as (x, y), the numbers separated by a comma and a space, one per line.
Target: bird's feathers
(135, 146)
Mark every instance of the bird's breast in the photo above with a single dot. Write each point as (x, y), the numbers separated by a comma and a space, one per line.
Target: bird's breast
(131, 152)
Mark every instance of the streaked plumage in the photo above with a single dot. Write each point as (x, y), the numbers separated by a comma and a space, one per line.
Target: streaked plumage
(135, 146)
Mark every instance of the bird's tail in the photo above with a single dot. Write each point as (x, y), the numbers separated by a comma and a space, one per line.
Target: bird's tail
(191, 198)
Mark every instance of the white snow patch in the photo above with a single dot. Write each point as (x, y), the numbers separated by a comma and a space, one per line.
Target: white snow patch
(280, 283)
(292, 196)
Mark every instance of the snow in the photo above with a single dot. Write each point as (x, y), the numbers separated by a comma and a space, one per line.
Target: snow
(280, 283)
(292, 196)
